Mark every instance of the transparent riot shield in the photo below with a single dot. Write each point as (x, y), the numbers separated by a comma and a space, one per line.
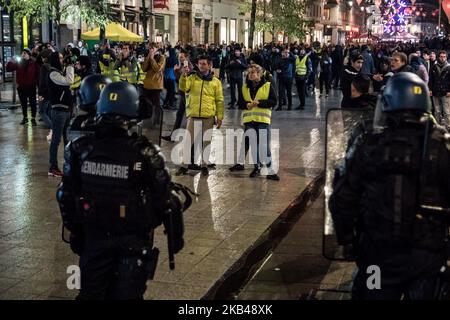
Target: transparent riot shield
(342, 125)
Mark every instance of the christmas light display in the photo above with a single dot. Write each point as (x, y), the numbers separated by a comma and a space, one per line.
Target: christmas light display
(395, 15)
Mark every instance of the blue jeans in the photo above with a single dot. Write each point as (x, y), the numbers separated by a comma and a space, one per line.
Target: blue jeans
(60, 122)
(45, 109)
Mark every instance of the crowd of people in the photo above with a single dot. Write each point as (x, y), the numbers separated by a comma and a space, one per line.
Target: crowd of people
(51, 78)
(116, 188)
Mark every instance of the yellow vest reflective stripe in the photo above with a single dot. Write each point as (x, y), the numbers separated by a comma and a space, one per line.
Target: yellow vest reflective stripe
(108, 71)
(141, 74)
(300, 66)
(76, 83)
(130, 75)
(262, 115)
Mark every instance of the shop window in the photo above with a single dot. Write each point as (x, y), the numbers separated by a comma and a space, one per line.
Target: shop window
(223, 30)
(233, 30)
(246, 27)
(206, 31)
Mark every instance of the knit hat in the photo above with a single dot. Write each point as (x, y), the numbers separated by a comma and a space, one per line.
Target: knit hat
(28, 51)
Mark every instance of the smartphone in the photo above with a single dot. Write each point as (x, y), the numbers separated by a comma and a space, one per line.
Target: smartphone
(186, 64)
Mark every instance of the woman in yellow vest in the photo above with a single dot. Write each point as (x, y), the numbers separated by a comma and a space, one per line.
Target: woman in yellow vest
(257, 101)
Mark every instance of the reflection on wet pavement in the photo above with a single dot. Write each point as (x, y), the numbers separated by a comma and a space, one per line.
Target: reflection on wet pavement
(230, 214)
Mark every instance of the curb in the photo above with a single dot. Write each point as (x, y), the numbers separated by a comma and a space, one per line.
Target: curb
(240, 273)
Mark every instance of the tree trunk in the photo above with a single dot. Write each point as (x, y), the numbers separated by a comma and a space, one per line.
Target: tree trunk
(252, 25)
(102, 33)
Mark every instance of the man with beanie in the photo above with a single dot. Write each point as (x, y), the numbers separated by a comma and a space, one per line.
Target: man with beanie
(27, 74)
(348, 75)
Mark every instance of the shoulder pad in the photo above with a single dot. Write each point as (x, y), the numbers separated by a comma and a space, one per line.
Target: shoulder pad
(81, 144)
(146, 148)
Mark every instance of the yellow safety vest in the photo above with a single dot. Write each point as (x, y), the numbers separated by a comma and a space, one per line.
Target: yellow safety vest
(108, 71)
(131, 76)
(76, 83)
(142, 74)
(300, 66)
(262, 115)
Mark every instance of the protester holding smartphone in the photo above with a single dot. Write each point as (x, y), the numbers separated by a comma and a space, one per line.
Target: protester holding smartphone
(154, 79)
(27, 75)
(184, 64)
(204, 108)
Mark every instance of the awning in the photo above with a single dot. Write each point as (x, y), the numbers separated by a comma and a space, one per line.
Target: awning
(400, 37)
(114, 32)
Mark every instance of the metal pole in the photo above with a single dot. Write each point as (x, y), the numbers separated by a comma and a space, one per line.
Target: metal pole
(14, 89)
(264, 31)
(439, 20)
(14, 81)
(144, 20)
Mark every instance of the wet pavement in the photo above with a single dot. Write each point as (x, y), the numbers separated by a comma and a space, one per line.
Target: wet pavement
(297, 270)
(230, 214)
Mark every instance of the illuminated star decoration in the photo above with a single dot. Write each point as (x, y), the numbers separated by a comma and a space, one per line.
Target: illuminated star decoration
(395, 17)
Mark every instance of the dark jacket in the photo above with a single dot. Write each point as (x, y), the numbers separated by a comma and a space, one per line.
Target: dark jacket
(365, 101)
(236, 66)
(257, 58)
(215, 57)
(365, 197)
(254, 87)
(405, 68)
(348, 75)
(43, 81)
(325, 64)
(27, 72)
(287, 67)
(377, 85)
(440, 79)
(338, 58)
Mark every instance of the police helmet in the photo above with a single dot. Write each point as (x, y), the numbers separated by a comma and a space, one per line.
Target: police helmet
(118, 99)
(90, 89)
(405, 91)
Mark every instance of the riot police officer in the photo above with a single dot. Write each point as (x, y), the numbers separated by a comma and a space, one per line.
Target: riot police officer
(115, 191)
(89, 93)
(390, 203)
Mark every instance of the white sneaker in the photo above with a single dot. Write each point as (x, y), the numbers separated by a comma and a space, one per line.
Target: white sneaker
(49, 136)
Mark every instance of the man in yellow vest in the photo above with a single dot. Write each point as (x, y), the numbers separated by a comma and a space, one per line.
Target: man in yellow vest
(204, 107)
(128, 66)
(303, 68)
(106, 63)
(83, 68)
(258, 99)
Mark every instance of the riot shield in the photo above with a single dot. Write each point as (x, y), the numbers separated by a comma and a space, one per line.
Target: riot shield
(342, 125)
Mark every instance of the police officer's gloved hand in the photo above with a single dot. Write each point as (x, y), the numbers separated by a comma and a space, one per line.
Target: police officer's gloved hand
(176, 213)
(76, 243)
